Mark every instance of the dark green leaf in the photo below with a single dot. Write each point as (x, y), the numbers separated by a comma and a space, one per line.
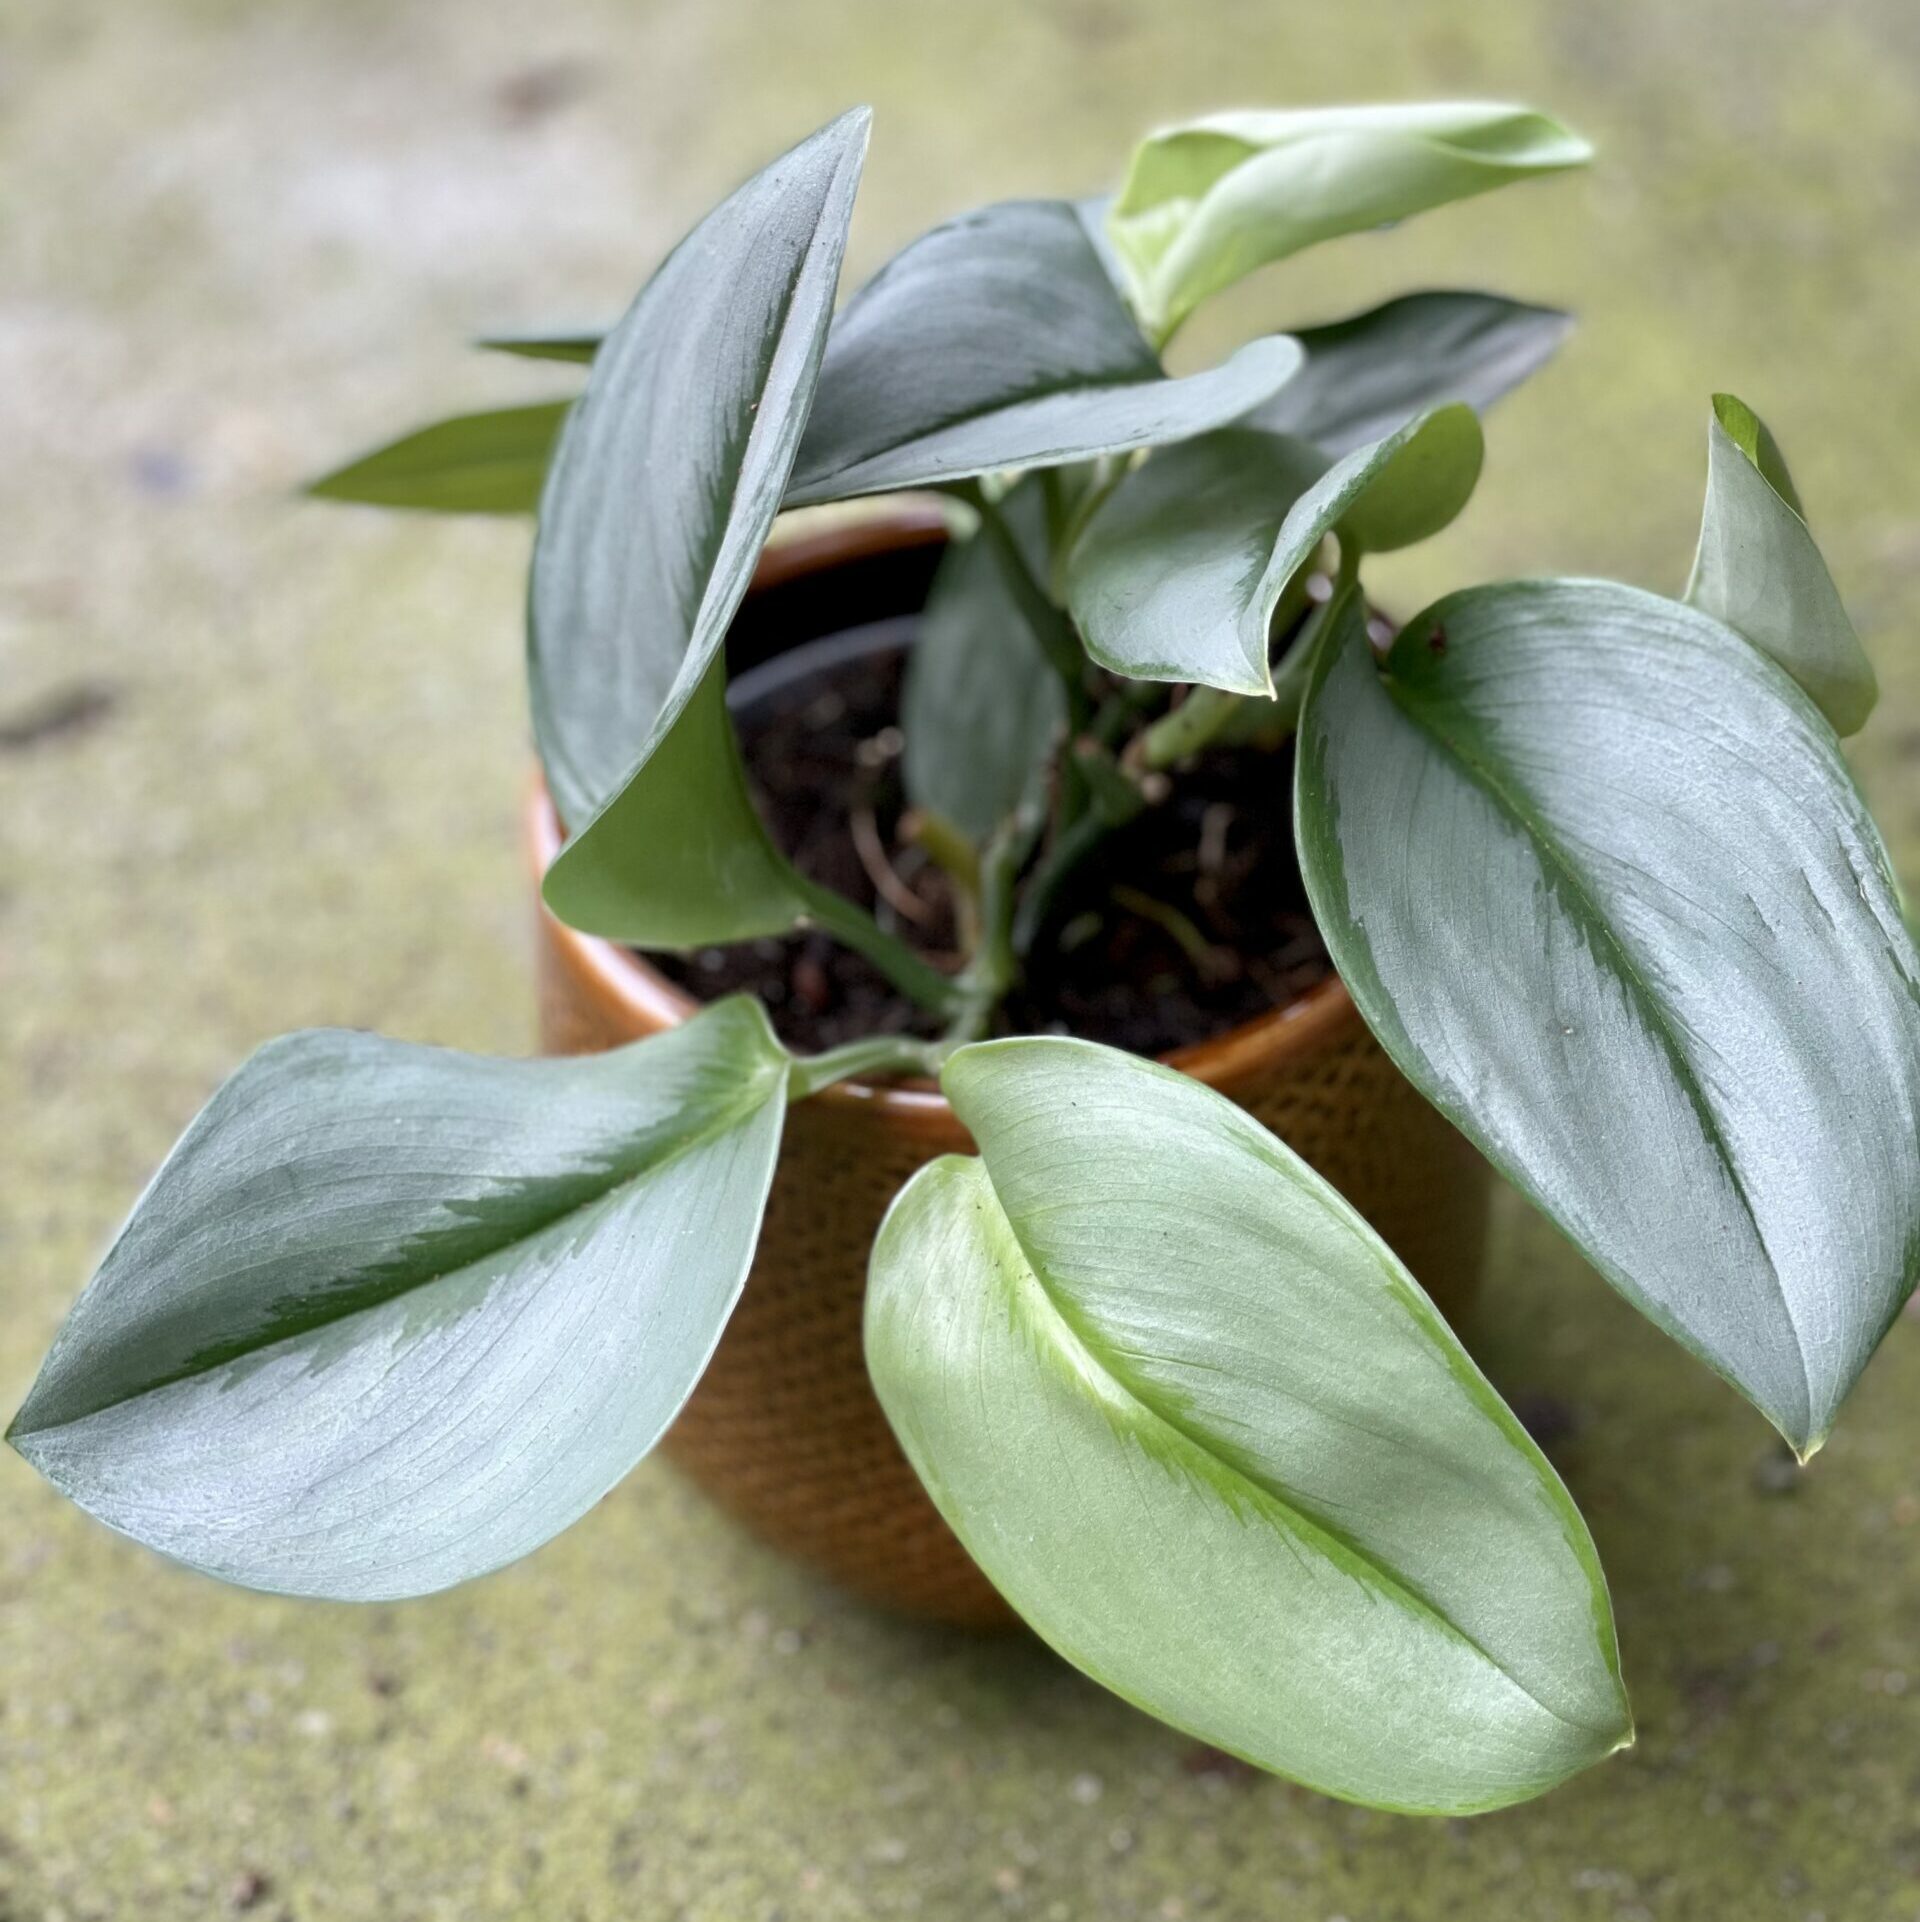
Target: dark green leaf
(392, 1316)
(661, 496)
(999, 341)
(981, 709)
(1174, 579)
(474, 464)
(1371, 373)
(681, 857)
(575, 346)
(1402, 488)
(1758, 569)
(1198, 1425)
(1178, 575)
(1599, 879)
(1209, 201)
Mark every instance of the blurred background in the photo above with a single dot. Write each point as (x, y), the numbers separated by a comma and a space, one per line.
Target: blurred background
(260, 766)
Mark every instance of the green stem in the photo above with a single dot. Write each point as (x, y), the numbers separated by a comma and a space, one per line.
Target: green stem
(1051, 628)
(1208, 713)
(1186, 729)
(1069, 849)
(879, 1054)
(991, 971)
(948, 849)
(858, 930)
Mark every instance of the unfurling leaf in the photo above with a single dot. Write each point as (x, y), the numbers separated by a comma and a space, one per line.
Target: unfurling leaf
(1367, 375)
(391, 1316)
(1201, 1429)
(1208, 201)
(982, 707)
(998, 341)
(474, 464)
(1173, 579)
(1599, 879)
(661, 496)
(1178, 575)
(1758, 570)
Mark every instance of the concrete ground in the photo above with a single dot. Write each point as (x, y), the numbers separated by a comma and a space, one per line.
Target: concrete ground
(259, 763)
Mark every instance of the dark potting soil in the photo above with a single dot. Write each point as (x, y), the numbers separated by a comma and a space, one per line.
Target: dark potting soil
(1189, 921)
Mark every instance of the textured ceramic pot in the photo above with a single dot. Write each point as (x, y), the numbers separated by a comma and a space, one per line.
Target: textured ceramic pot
(784, 1431)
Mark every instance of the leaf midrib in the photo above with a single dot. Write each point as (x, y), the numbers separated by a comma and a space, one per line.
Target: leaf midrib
(1330, 1541)
(1429, 713)
(724, 1121)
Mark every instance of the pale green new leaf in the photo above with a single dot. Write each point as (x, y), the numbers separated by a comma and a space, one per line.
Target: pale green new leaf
(1179, 573)
(491, 463)
(1758, 570)
(1598, 877)
(1202, 1430)
(660, 499)
(998, 341)
(1373, 372)
(1210, 200)
(982, 707)
(391, 1316)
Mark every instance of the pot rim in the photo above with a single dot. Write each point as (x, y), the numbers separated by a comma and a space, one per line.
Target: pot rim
(1296, 1029)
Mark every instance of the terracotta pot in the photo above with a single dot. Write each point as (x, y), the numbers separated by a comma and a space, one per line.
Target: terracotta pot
(784, 1431)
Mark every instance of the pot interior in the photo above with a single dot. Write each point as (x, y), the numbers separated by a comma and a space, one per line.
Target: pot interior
(1188, 923)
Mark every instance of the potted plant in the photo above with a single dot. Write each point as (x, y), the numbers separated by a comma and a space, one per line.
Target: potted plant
(1588, 861)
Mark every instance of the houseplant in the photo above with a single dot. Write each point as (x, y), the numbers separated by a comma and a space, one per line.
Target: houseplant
(1589, 861)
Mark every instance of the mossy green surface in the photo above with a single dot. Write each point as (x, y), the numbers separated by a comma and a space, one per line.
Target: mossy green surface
(238, 242)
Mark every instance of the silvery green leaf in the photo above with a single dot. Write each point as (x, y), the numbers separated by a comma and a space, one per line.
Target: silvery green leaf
(1201, 1429)
(1175, 577)
(1369, 374)
(665, 486)
(1758, 570)
(981, 708)
(1178, 575)
(1598, 877)
(391, 1316)
(998, 341)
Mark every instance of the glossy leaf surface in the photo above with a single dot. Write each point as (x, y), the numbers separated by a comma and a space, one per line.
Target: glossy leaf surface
(997, 341)
(1599, 879)
(490, 463)
(1367, 375)
(671, 470)
(391, 1316)
(1392, 493)
(1175, 578)
(1196, 1423)
(1758, 570)
(981, 707)
(1210, 200)
(679, 856)
(1178, 575)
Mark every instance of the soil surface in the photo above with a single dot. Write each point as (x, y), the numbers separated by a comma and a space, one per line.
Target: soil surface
(1189, 921)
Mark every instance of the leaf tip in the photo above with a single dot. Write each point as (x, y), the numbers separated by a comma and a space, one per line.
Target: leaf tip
(333, 485)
